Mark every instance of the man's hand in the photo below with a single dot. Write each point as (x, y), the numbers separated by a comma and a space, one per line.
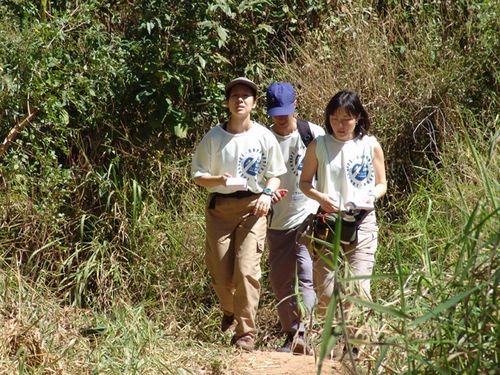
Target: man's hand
(278, 195)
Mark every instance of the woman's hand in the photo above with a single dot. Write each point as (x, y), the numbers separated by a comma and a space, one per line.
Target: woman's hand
(224, 177)
(212, 181)
(328, 203)
(262, 206)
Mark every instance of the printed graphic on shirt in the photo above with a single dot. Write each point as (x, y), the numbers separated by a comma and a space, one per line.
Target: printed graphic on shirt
(251, 163)
(360, 171)
(296, 162)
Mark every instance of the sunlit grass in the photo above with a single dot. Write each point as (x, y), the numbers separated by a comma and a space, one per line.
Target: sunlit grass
(41, 335)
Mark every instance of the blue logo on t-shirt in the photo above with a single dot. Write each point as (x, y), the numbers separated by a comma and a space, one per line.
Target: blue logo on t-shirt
(251, 166)
(296, 162)
(252, 163)
(300, 162)
(359, 171)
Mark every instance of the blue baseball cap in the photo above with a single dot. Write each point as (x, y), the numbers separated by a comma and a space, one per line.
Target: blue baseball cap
(280, 99)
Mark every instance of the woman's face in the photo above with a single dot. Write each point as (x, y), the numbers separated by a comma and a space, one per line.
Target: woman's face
(241, 100)
(343, 124)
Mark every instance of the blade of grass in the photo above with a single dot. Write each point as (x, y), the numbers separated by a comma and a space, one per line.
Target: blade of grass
(486, 181)
(328, 340)
(383, 352)
(380, 308)
(444, 306)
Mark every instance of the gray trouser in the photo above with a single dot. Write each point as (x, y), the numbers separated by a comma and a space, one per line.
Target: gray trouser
(360, 257)
(286, 257)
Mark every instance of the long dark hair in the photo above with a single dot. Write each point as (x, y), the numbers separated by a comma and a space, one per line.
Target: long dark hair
(349, 101)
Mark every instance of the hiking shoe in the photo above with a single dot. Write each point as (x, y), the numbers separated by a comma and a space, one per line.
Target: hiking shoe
(295, 343)
(227, 322)
(299, 345)
(245, 342)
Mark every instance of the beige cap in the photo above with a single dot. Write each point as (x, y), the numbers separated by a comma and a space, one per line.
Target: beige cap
(243, 81)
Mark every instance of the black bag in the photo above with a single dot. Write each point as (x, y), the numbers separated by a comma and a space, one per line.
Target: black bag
(324, 226)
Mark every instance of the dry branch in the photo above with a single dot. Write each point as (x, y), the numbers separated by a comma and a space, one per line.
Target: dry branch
(18, 128)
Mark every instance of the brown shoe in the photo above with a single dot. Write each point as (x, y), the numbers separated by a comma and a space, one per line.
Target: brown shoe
(300, 345)
(227, 323)
(245, 342)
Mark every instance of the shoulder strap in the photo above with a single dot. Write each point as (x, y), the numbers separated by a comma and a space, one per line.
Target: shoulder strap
(305, 131)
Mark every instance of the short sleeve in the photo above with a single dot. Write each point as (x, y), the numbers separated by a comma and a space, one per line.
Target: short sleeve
(200, 164)
(277, 165)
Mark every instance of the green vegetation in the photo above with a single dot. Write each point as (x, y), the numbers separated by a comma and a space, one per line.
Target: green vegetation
(101, 229)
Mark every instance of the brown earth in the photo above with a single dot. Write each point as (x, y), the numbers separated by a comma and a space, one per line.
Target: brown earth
(275, 363)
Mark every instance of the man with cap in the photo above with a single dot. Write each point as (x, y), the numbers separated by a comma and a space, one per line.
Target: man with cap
(288, 255)
(238, 162)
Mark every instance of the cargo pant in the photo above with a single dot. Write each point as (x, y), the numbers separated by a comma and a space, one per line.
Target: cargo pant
(234, 245)
(360, 257)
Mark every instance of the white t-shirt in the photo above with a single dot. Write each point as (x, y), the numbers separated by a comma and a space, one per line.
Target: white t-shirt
(254, 155)
(345, 169)
(295, 206)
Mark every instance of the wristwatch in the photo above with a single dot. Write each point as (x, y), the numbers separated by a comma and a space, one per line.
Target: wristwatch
(268, 191)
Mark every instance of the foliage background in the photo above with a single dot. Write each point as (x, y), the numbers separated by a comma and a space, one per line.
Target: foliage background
(97, 210)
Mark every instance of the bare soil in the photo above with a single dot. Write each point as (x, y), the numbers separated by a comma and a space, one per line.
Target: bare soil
(275, 363)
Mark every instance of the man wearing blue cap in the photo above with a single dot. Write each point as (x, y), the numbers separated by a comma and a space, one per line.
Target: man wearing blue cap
(288, 256)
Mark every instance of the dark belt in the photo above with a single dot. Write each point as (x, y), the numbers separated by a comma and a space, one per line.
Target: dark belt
(236, 194)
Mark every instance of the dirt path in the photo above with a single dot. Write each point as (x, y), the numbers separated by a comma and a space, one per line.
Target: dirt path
(274, 363)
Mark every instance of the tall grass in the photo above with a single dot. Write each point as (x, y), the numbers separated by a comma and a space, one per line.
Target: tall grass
(129, 295)
(41, 335)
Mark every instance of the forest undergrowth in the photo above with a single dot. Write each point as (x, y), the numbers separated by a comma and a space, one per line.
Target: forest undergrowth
(102, 229)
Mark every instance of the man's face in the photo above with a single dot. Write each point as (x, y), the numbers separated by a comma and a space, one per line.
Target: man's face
(282, 121)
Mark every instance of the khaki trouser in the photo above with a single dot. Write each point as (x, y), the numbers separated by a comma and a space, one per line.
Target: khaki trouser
(360, 257)
(234, 244)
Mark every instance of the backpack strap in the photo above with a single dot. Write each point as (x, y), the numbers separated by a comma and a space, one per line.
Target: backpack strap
(305, 131)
